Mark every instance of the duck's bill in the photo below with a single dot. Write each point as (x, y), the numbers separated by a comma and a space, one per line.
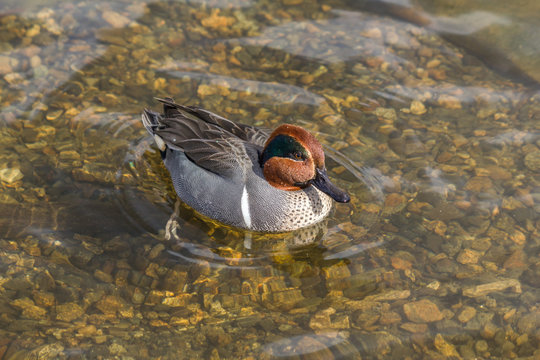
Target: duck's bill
(323, 183)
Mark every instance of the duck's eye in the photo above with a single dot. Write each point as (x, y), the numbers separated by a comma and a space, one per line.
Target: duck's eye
(297, 155)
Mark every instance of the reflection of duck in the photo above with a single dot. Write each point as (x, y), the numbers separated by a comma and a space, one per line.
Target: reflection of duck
(240, 175)
(250, 242)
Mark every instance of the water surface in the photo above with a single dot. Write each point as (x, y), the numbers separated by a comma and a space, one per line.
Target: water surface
(435, 137)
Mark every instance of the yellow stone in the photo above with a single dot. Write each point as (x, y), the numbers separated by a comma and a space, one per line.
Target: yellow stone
(444, 347)
(417, 108)
(214, 21)
(11, 175)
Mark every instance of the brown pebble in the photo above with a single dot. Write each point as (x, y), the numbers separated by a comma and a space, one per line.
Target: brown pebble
(68, 312)
(422, 311)
(215, 21)
(489, 330)
(518, 237)
(444, 347)
(449, 102)
(479, 184)
(390, 317)
(394, 203)
(400, 264)
(516, 261)
(414, 328)
(468, 256)
(466, 314)
(484, 289)
(109, 304)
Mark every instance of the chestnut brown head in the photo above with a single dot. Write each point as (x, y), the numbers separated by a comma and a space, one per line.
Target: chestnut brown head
(293, 159)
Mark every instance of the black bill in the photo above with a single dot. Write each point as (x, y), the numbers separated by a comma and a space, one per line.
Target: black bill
(323, 183)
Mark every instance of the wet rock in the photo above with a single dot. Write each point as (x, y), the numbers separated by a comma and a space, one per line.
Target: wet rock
(379, 342)
(394, 203)
(46, 352)
(11, 175)
(216, 21)
(489, 330)
(217, 336)
(109, 304)
(5, 65)
(155, 251)
(324, 319)
(69, 155)
(19, 283)
(517, 260)
(468, 256)
(446, 266)
(466, 351)
(529, 323)
(286, 299)
(68, 312)
(466, 314)
(518, 237)
(29, 308)
(479, 184)
(387, 115)
(177, 301)
(116, 244)
(443, 212)
(389, 317)
(389, 295)
(417, 108)
(400, 263)
(115, 19)
(103, 276)
(43, 298)
(444, 347)
(481, 346)
(532, 161)
(484, 289)
(292, 2)
(117, 349)
(449, 102)
(138, 296)
(422, 311)
(175, 281)
(414, 328)
(367, 317)
(45, 281)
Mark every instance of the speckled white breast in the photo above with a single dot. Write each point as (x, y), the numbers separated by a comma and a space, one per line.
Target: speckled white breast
(304, 208)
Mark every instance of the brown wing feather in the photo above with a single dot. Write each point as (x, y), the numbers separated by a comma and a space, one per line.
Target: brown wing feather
(252, 134)
(211, 141)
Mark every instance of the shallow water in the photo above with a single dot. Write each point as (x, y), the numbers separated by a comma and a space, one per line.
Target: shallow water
(432, 127)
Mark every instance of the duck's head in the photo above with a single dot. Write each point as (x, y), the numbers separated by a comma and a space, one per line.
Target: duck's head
(293, 159)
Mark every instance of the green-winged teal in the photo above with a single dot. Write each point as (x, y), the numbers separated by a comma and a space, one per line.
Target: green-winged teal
(241, 175)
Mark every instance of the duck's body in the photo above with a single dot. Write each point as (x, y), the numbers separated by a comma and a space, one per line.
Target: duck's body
(224, 171)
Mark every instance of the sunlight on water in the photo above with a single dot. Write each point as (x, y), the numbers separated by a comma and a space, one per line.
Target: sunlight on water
(429, 117)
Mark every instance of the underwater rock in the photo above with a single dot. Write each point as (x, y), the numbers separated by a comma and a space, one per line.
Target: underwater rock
(29, 308)
(68, 312)
(532, 160)
(484, 289)
(422, 311)
(11, 175)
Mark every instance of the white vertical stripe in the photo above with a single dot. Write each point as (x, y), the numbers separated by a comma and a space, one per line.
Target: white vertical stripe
(245, 208)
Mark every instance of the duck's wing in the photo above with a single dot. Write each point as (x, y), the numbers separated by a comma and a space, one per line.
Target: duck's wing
(210, 141)
(251, 134)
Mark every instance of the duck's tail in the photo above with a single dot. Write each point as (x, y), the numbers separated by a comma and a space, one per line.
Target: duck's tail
(150, 120)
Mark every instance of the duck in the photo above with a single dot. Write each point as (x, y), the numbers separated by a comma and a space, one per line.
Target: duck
(241, 175)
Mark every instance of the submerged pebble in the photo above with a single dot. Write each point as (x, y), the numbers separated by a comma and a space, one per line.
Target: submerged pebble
(11, 175)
